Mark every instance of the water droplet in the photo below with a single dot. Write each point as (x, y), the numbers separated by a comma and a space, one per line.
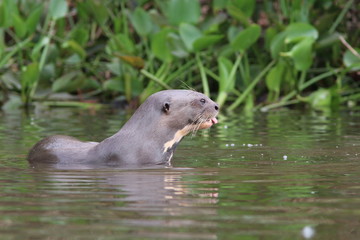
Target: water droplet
(308, 232)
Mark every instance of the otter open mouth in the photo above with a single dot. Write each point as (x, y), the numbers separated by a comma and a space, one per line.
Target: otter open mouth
(207, 123)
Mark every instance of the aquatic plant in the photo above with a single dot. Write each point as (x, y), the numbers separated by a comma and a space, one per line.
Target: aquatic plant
(254, 54)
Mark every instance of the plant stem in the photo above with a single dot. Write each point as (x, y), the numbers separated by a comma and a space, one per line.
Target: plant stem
(204, 79)
(305, 85)
(251, 86)
(279, 104)
(341, 16)
(155, 79)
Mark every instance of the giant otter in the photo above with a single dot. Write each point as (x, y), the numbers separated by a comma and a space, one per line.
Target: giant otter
(149, 137)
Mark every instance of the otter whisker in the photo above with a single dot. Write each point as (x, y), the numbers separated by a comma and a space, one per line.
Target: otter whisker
(197, 126)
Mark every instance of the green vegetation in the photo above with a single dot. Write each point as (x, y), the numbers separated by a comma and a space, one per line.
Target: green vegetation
(245, 53)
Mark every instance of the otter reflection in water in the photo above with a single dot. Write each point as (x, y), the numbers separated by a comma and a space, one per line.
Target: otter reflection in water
(148, 138)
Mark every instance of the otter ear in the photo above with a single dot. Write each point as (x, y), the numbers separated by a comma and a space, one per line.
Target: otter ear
(166, 107)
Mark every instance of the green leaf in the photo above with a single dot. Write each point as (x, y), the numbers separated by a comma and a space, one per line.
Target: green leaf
(302, 53)
(14, 102)
(2, 14)
(206, 41)
(269, 36)
(277, 45)
(98, 10)
(58, 9)
(226, 82)
(75, 47)
(30, 75)
(183, 11)
(219, 4)
(29, 78)
(177, 46)
(242, 10)
(275, 76)
(114, 84)
(115, 66)
(120, 43)
(159, 45)
(80, 34)
(189, 34)
(352, 61)
(35, 53)
(297, 31)
(19, 25)
(33, 19)
(141, 21)
(7, 9)
(320, 99)
(246, 38)
(65, 82)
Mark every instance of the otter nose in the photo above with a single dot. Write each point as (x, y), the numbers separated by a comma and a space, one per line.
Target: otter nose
(216, 107)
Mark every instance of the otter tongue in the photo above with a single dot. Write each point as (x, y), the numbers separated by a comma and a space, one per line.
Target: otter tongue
(214, 120)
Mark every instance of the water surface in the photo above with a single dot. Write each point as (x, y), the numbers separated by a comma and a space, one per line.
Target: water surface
(277, 175)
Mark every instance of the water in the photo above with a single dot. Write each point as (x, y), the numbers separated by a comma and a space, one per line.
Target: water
(279, 175)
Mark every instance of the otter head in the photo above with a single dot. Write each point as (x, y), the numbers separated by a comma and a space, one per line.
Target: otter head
(185, 111)
(188, 110)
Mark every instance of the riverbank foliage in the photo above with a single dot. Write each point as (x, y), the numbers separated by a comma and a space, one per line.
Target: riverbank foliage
(244, 53)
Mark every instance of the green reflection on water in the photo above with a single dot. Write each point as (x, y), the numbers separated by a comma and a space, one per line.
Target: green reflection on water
(232, 181)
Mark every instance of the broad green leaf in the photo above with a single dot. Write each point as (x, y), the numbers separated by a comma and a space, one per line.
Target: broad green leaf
(58, 9)
(141, 21)
(275, 76)
(177, 46)
(320, 99)
(206, 41)
(269, 36)
(83, 10)
(98, 10)
(75, 47)
(33, 19)
(189, 34)
(277, 45)
(29, 78)
(242, 10)
(7, 9)
(120, 43)
(2, 15)
(19, 25)
(297, 31)
(80, 34)
(219, 4)
(159, 45)
(13, 102)
(65, 82)
(30, 75)
(246, 38)
(183, 11)
(114, 84)
(352, 61)
(232, 32)
(302, 53)
(115, 66)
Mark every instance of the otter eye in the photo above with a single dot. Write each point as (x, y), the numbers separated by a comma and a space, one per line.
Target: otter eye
(202, 100)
